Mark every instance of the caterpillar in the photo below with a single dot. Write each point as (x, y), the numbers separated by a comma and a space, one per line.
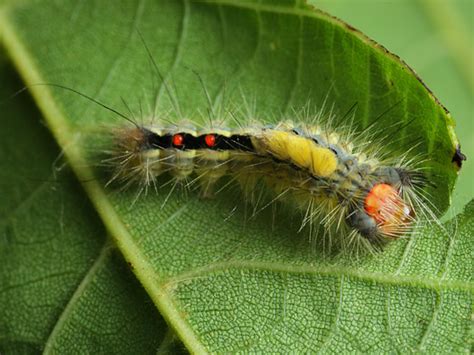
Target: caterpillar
(324, 173)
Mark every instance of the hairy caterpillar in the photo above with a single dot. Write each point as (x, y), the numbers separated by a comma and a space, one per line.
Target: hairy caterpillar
(338, 179)
(323, 173)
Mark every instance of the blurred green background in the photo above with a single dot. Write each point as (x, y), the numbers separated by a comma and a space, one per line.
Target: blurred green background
(436, 39)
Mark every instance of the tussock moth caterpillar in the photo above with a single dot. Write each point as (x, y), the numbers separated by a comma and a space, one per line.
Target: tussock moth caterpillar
(337, 179)
(325, 176)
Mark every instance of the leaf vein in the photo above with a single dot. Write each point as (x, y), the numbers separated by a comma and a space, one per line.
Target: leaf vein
(378, 277)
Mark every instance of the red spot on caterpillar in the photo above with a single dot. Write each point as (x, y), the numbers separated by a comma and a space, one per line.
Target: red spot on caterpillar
(210, 140)
(178, 140)
(384, 204)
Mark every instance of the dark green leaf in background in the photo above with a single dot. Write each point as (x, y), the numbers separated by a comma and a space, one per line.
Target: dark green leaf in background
(221, 284)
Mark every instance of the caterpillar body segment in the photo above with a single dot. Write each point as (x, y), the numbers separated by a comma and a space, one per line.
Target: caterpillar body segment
(301, 151)
(332, 183)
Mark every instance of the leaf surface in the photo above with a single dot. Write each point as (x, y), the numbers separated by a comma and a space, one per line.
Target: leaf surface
(62, 285)
(221, 284)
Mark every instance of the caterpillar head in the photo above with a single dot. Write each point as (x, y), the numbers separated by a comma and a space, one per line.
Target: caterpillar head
(386, 211)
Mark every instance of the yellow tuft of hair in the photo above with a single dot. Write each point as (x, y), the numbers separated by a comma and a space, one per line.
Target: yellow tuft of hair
(324, 161)
(301, 151)
(276, 143)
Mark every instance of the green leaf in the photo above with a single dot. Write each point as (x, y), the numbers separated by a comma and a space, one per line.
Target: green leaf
(62, 285)
(221, 284)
